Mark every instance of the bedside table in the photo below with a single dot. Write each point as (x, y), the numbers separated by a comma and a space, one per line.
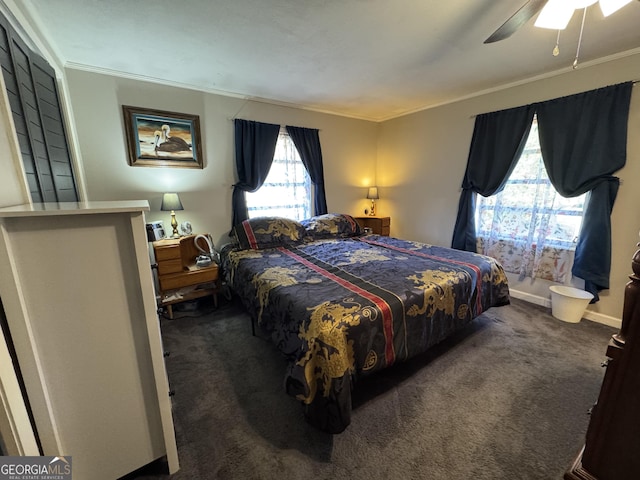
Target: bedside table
(179, 277)
(378, 225)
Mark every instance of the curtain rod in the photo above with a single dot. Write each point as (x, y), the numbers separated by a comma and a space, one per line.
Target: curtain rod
(230, 119)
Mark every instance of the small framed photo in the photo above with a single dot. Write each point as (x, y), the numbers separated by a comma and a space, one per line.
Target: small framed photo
(156, 138)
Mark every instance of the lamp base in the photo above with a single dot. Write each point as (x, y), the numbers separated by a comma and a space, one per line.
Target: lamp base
(372, 211)
(174, 224)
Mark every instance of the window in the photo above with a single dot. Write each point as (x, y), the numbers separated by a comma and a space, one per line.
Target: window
(528, 226)
(286, 191)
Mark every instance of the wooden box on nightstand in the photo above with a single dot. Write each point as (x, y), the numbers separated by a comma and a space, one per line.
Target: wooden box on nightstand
(179, 277)
(378, 225)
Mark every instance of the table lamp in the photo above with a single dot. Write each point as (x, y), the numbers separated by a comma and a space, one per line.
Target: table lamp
(171, 202)
(372, 194)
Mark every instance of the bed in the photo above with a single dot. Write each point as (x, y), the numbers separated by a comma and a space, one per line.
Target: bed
(341, 305)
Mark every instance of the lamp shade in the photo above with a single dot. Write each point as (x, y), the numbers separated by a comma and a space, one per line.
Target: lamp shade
(171, 201)
(372, 193)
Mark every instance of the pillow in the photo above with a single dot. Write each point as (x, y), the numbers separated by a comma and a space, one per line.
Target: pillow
(338, 225)
(266, 232)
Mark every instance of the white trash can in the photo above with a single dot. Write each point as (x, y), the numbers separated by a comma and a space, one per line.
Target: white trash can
(568, 303)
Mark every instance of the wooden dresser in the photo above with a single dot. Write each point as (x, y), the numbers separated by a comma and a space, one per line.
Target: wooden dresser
(78, 294)
(378, 225)
(179, 278)
(612, 446)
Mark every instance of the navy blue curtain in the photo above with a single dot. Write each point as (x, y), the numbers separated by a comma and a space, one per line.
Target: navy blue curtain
(307, 141)
(255, 147)
(498, 141)
(583, 139)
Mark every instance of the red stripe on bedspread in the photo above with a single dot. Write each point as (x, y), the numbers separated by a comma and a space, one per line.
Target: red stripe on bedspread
(387, 316)
(473, 267)
(253, 243)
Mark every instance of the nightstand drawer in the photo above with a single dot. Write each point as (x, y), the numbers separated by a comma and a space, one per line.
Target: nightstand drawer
(187, 278)
(170, 266)
(378, 225)
(167, 252)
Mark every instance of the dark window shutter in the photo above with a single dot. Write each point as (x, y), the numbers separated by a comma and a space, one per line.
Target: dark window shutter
(35, 105)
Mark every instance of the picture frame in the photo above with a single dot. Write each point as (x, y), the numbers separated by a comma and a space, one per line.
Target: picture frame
(157, 138)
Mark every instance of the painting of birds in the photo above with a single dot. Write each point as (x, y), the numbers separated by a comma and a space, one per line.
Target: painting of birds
(164, 142)
(162, 139)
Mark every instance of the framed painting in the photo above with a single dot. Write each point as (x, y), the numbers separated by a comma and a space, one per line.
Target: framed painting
(156, 138)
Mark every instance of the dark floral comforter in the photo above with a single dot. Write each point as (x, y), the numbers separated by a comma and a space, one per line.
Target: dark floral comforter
(339, 309)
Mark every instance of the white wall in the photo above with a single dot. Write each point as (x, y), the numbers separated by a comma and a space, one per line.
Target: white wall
(422, 159)
(348, 147)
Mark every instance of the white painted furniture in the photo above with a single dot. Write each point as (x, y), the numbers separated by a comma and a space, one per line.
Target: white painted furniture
(79, 298)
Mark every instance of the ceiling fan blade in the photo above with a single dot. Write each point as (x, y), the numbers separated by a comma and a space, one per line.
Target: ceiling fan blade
(518, 19)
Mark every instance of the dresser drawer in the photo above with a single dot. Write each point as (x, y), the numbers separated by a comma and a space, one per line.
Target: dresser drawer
(187, 278)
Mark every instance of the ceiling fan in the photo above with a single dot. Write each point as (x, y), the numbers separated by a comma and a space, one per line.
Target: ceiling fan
(554, 14)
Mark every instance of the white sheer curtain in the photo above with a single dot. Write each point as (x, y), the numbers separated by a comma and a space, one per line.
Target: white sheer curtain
(528, 226)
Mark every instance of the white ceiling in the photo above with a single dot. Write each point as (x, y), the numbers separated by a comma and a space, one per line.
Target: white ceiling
(371, 59)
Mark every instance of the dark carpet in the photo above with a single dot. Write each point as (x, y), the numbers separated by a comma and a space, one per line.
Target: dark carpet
(507, 398)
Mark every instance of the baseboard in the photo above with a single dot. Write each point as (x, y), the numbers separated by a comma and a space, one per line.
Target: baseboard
(546, 302)
(528, 297)
(604, 319)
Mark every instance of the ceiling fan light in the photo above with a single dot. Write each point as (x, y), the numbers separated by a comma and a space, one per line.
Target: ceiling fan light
(555, 15)
(610, 6)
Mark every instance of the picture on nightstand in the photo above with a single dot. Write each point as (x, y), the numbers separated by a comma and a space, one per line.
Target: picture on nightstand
(185, 228)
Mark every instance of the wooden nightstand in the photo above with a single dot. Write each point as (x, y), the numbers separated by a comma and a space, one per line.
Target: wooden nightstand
(378, 225)
(179, 277)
